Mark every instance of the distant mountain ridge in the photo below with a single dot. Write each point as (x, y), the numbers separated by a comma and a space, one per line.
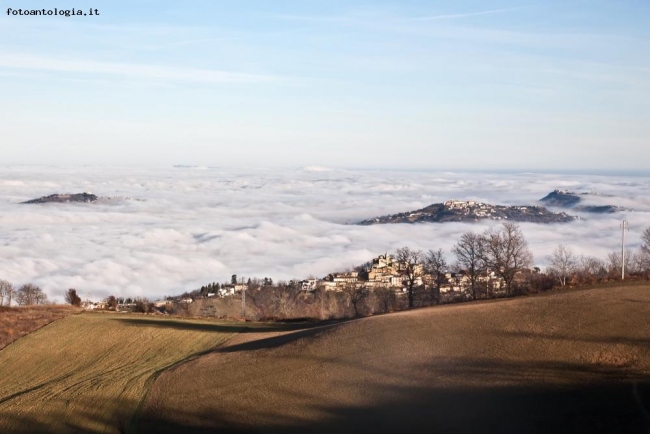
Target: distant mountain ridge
(471, 211)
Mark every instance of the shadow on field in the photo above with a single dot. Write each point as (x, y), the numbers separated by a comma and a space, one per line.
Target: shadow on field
(610, 405)
(484, 396)
(219, 327)
(276, 341)
(599, 408)
(109, 416)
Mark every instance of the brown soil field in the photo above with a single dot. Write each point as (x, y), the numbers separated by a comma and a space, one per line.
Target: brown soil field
(567, 362)
(89, 372)
(16, 322)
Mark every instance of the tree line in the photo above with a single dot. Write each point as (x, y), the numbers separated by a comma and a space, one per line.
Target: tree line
(26, 295)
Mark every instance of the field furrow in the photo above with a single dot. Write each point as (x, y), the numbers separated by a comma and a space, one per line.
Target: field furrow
(89, 372)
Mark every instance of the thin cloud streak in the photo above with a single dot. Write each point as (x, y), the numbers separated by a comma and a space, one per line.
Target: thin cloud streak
(465, 15)
(471, 34)
(134, 71)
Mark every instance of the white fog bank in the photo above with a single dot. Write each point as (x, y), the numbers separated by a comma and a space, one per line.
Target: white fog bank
(193, 225)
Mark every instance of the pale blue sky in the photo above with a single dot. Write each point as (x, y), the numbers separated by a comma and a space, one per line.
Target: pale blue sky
(539, 85)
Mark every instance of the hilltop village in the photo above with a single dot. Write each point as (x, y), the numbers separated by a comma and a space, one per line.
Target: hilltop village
(387, 272)
(471, 211)
(382, 272)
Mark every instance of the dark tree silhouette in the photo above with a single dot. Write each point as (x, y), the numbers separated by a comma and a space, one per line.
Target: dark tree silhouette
(111, 302)
(356, 294)
(72, 298)
(409, 265)
(470, 257)
(436, 265)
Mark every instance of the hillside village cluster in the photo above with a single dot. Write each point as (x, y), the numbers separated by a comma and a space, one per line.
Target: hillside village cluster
(384, 272)
(480, 209)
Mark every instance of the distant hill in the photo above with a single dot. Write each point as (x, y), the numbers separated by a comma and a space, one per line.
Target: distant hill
(561, 199)
(75, 197)
(65, 198)
(568, 199)
(470, 211)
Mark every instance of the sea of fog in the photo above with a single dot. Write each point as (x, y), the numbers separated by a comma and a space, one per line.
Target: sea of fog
(187, 226)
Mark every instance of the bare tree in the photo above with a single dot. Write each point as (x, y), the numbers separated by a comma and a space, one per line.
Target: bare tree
(615, 263)
(328, 303)
(143, 305)
(436, 265)
(6, 292)
(506, 252)
(355, 294)
(72, 298)
(645, 237)
(470, 256)
(111, 302)
(286, 298)
(385, 297)
(409, 263)
(641, 262)
(30, 294)
(562, 263)
(181, 307)
(275, 301)
(590, 269)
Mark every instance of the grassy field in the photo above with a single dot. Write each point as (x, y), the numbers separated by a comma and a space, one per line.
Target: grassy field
(89, 372)
(16, 322)
(567, 362)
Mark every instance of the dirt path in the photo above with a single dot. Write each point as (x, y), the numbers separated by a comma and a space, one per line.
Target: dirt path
(570, 362)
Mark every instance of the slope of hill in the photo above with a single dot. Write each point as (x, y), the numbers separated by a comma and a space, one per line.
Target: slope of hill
(16, 322)
(89, 372)
(566, 362)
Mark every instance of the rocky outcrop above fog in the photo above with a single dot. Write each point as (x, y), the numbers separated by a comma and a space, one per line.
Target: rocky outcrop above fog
(568, 199)
(76, 197)
(470, 211)
(65, 198)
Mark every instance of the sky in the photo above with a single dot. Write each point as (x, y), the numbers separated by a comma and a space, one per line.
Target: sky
(463, 85)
